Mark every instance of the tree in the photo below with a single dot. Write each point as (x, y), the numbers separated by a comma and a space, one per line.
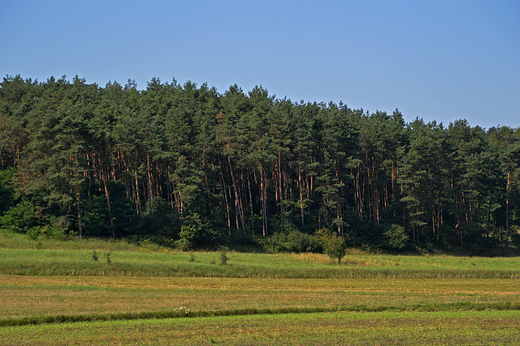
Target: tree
(334, 246)
(54, 160)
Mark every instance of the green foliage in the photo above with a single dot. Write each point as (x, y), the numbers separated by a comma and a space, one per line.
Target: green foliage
(334, 246)
(56, 228)
(159, 217)
(21, 218)
(96, 216)
(223, 255)
(185, 165)
(33, 233)
(188, 236)
(396, 237)
(292, 241)
(7, 194)
(183, 244)
(365, 234)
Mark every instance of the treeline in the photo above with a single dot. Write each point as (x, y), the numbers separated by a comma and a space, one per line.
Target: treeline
(187, 165)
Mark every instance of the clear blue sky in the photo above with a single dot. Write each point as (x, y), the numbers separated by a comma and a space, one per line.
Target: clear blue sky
(437, 60)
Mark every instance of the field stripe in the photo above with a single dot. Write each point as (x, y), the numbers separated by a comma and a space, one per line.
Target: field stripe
(184, 313)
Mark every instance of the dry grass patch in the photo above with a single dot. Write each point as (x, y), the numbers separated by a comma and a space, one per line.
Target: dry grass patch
(44, 296)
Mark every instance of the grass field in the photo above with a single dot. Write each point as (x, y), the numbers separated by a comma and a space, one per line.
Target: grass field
(24, 297)
(255, 299)
(53, 258)
(383, 328)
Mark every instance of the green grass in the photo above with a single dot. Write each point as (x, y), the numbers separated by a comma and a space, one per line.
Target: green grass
(21, 256)
(48, 262)
(383, 328)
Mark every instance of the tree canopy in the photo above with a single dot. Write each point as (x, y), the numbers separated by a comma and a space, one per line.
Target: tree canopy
(185, 164)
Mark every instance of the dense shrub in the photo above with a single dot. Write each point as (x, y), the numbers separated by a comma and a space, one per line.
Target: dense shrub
(20, 218)
(396, 237)
(334, 246)
(293, 241)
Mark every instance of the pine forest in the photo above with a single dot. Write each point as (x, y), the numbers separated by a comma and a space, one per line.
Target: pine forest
(188, 167)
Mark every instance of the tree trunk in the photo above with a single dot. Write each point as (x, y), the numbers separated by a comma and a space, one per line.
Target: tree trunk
(263, 196)
(225, 198)
(108, 204)
(149, 186)
(80, 225)
(137, 197)
(301, 192)
(238, 205)
(251, 205)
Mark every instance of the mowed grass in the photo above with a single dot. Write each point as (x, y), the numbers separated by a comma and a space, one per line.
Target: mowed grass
(346, 328)
(255, 299)
(23, 296)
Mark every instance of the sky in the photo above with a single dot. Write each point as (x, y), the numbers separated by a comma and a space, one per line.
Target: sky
(439, 60)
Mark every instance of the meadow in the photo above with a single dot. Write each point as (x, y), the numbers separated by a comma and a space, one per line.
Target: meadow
(19, 256)
(151, 295)
(382, 328)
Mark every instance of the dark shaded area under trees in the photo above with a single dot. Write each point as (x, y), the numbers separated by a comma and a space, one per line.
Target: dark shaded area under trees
(187, 166)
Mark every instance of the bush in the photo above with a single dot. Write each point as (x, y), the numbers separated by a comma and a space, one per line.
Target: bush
(189, 235)
(197, 232)
(365, 234)
(243, 243)
(20, 219)
(58, 228)
(223, 255)
(159, 216)
(396, 237)
(183, 245)
(334, 246)
(34, 232)
(293, 241)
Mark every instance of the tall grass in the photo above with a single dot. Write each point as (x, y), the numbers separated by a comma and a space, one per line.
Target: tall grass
(177, 264)
(20, 256)
(10, 240)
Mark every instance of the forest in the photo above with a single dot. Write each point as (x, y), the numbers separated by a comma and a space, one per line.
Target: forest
(188, 167)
